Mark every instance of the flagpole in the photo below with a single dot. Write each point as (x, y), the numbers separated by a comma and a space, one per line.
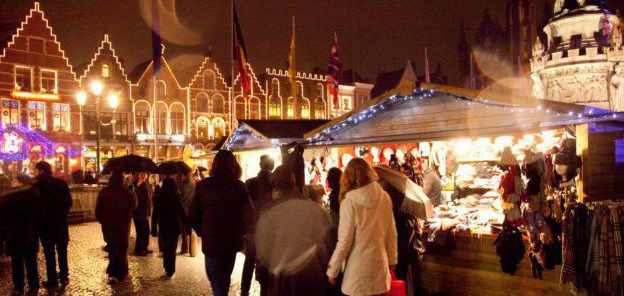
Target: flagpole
(231, 109)
(293, 87)
(427, 73)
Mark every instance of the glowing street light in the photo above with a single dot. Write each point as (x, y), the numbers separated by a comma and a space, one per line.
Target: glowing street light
(81, 98)
(113, 100)
(97, 87)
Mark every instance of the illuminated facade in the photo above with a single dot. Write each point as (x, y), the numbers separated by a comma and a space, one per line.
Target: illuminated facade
(39, 116)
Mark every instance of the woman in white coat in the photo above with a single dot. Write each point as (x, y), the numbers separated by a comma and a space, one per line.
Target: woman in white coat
(367, 237)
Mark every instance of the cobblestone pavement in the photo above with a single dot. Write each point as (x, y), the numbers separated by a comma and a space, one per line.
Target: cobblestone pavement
(87, 265)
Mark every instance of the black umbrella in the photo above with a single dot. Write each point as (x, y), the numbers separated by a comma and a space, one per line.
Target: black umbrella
(129, 164)
(201, 169)
(173, 168)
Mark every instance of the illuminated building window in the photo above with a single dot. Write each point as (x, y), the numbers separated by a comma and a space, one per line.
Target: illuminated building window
(219, 127)
(346, 103)
(319, 91)
(10, 112)
(305, 108)
(48, 81)
(161, 118)
(275, 101)
(218, 104)
(275, 109)
(161, 89)
(290, 107)
(23, 78)
(254, 108)
(203, 103)
(36, 115)
(319, 109)
(121, 124)
(142, 117)
(209, 80)
(60, 117)
(105, 71)
(203, 128)
(177, 119)
(240, 108)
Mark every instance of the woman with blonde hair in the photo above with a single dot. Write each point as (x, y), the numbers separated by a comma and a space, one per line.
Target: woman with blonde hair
(367, 237)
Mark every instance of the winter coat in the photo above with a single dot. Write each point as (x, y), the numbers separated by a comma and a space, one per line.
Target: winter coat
(168, 215)
(220, 213)
(21, 215)
(144, 201)
(57, 202)
(260, 193)
(187, 190)
(113, 209)
(510, 248)
(367, 241)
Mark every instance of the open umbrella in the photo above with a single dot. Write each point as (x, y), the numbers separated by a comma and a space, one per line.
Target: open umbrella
(173, 168)
(416, 202)
(130, 163)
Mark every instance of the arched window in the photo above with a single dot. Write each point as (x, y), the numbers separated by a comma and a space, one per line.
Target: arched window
(105, 71)
(161, 89)
(219, 127)
(177, 119)
(290, 107)
(275, 100)
(320, 91)
(161, 118)
(209, 79)
(254, 108)
(319, 108)
(305, 108)
(142, 117)
(203, 128)
(299, 85)
(218, 104)
(240, 107)
(203, 103)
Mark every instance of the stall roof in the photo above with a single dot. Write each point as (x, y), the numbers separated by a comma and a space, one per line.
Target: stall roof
(258, 134)
(436, 112)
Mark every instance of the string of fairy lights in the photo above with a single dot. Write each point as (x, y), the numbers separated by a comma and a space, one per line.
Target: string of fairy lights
(18, 141)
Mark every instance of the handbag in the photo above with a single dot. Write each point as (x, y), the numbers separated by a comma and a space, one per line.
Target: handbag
(397, 287)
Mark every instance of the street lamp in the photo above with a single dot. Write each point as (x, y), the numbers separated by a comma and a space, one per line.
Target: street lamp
(97, 88)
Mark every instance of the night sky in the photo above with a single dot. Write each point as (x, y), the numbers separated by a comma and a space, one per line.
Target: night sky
(373, 34)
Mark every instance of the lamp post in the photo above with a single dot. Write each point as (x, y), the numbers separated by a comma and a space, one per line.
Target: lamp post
(97, 88)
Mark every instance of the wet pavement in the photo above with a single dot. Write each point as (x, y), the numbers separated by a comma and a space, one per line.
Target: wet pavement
(87, 265)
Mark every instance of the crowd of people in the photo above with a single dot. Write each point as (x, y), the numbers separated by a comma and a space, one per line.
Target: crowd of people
(296, 243)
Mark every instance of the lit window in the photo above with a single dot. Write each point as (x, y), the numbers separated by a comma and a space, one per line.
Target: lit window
(161, 118)
(305, 108)
(219, 127)
(240, 108)
(61, 117)
(319, 109)
(254, 108)
(48, 81)
(142, 117)
(203, 127)
(177, 119)
(10, 112)
(203, 103)
(36, 115)
(275, 110)
(105, 71)
(23, 78)
(346, 103)
(290, 107)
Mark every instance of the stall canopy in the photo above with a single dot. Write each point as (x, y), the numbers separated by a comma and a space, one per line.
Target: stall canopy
(435, 112)
(260, 134)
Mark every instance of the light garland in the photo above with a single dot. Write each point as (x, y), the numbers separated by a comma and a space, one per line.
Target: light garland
(22, 141)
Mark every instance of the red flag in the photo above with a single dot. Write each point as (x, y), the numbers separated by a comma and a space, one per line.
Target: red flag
(240, 55)
(333, 71)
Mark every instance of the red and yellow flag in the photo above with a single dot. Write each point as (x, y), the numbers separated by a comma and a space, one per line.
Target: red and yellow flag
(240, 55)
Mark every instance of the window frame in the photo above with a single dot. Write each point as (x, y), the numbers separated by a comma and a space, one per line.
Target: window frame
(32, 77)
(10, 114)
(60, 125)
(38, 111)
(55, 89)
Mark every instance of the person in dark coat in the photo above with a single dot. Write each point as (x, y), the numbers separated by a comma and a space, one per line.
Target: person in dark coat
(168, 217)
(220, 213)
(57, 201)
(186, 187)
(21, 215)
(333, 182)
(114, 207)
(141, 214)
(260, 193)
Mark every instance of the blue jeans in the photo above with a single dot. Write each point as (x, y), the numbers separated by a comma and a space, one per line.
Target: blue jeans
(219, 269)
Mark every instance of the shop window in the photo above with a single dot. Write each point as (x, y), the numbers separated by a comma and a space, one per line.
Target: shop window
(290, 107)
(105, 71)
(142, 117)
(48, 81)
(254, 108)
(10, 112)
(161, 89)
(219, 127)
(161, 118)
(240, 108)
(61, 117)
(319, 109)
(121, 124)
(305, 108)
(203, 128)
(36, 115)
(23, 78)
(203, 103)
(218, 104)
(209, 80)
(177, 119)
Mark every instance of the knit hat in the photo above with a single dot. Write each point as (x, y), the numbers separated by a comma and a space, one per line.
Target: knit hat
(507, 158)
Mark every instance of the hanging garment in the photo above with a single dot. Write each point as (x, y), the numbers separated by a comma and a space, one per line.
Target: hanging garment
(568, 270)
(510, 248)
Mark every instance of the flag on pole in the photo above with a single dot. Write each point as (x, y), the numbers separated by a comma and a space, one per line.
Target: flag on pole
(473, 74)
(240, 54)
(427, 73)
(156, 41)
(292, 71)
(333, 70)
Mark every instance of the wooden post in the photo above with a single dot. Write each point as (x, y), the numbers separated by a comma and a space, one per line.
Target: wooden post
(582, 150)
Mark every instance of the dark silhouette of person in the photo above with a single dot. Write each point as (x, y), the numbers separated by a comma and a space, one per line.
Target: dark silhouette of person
(57, 202)
(168, 217)
(260, 192)
(114, 207)
(141, 214)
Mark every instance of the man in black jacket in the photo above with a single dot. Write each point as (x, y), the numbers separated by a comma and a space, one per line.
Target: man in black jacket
(142, 212)
(57, 201)
(260, 192)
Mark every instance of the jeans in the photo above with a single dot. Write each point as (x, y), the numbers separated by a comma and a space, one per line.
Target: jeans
(51, 249)
(141, 226)
(117, 260)
(219, 270)
(169, 246)
(18, 260)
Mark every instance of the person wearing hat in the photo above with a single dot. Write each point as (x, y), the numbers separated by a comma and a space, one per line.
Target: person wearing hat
(511, 187)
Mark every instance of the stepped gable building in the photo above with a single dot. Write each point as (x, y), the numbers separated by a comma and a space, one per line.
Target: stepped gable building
(39, 116)
(582, 60)
(252, 104)
(116, 134)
